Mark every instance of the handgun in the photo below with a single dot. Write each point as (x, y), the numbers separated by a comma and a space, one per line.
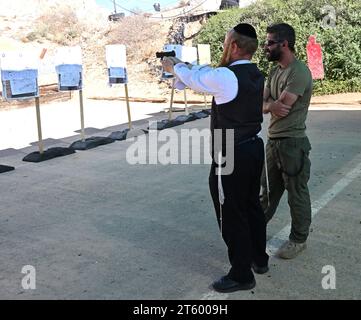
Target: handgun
(163, 54)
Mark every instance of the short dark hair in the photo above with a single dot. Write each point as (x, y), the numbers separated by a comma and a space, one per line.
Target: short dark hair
(284, 31)
(249, 45)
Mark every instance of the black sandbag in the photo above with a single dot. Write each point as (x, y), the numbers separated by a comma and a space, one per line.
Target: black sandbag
(186, 118)
(4, 169)
(200, 115)
(91, 143)
(207, 111)
(164, 124)
(126, 133)
(51, 153)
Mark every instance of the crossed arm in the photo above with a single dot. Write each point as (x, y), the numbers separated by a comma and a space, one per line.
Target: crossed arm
(280, 107)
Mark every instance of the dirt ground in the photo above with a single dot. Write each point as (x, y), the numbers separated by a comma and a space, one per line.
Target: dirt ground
(342, 98)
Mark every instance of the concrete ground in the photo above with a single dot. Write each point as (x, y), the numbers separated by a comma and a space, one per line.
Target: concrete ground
(95, 227)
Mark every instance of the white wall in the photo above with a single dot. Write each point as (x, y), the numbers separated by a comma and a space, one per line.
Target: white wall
(208, 5)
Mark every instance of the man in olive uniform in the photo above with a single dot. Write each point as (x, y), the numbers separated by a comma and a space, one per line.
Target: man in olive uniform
(287, 97)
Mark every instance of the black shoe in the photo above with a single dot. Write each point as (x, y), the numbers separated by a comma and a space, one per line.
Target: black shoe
(258, 269)
(225, 284)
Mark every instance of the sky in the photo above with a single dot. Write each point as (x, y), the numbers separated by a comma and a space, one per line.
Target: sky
(144, 5)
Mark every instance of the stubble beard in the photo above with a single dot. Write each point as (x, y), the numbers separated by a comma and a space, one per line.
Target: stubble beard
(274, 55)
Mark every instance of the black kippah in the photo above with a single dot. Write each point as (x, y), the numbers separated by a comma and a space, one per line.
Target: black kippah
(246, 29)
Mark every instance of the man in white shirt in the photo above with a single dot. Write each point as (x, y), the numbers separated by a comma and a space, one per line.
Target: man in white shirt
(237, 86)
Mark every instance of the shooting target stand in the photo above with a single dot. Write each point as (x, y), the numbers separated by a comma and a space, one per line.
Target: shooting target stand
(130, 132)
(20, 81)
(191, 116)
(51, 153)
(70, 78)
(170, 122)
(204, 113)
(117, 73)
(206, 109)
(187, 117)
(91, 142)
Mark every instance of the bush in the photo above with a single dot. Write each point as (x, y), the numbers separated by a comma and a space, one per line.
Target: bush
(341, 45)
(141, 36)
(322, 87)
(59, 25)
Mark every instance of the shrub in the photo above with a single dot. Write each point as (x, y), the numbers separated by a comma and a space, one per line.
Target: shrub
(322, 87)
(142, 37)
(60, 25)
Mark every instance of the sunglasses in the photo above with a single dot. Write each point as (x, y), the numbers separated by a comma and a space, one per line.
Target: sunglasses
(269, 43)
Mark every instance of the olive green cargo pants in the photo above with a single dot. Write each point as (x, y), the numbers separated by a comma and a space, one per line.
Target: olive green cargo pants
(289, 169)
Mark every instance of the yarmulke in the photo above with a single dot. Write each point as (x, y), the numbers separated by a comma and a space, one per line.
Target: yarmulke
(246, 29)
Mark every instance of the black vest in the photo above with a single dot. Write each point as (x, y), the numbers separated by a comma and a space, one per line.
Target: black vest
(244, 113)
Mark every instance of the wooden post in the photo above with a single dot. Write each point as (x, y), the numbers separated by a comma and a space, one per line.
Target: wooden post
(128, 106)
(38, 118)
(171, 100)
(82, 114)
(185, 102)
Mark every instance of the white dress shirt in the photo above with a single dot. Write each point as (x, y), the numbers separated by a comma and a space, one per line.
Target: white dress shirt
(220, 82)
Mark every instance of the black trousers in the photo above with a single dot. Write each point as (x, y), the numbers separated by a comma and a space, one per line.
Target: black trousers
(243, 220)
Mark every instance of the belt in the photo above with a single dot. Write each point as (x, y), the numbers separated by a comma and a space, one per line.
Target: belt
(280, 138)
(247, 140)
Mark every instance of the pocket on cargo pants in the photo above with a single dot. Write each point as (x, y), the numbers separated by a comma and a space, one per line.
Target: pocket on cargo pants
(292, 153)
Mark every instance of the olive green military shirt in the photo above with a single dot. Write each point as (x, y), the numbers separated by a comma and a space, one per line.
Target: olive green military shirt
(296, 79)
